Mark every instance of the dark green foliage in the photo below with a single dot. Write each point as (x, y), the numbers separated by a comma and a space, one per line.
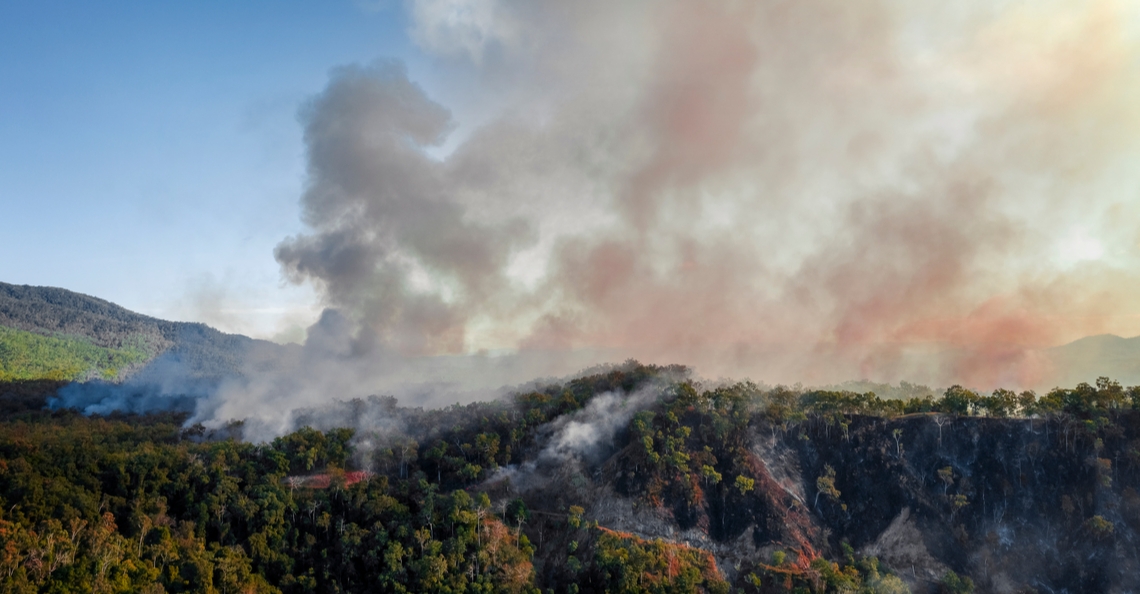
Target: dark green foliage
(516, 512)
(952, 583)
(141, 505)
(958, 401)
(128, 505)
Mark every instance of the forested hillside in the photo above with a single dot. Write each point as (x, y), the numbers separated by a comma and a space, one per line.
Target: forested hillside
(29, 356)
(53, 333)
(632, 480)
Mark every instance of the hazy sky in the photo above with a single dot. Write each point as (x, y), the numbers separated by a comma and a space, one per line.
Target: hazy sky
(815, 190)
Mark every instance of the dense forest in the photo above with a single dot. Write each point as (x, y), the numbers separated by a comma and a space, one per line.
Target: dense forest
(635, 479)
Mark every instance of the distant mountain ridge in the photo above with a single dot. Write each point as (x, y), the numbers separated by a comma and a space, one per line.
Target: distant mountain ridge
(53, 311)
(191, 351)
(1107, 355)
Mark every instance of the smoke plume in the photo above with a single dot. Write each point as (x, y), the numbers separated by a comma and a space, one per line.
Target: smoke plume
(895, 191)
(806, 191)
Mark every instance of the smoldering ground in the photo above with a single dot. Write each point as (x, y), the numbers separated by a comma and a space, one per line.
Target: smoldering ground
(805, 191)
(580, 440)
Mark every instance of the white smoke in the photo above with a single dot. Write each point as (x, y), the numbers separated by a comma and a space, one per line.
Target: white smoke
(580, 439)
(591, 430)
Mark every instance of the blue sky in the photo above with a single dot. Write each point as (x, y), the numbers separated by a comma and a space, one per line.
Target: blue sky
(150, 152)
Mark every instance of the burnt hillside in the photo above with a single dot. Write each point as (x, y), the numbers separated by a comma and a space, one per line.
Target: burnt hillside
(1045, 502)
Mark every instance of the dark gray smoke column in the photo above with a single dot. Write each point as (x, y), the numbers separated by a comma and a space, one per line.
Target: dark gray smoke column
(390, 244)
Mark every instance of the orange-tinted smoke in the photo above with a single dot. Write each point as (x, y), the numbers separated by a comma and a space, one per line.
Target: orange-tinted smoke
(793, 191)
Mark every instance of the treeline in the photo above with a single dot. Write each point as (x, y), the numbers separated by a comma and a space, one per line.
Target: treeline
(1084, 399)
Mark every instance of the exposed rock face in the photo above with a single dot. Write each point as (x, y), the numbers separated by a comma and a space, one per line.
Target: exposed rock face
(783, 466)
(902, 546)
